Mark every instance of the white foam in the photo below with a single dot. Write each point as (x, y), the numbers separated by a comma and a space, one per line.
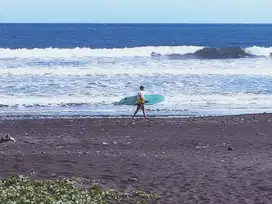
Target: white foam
(55, 100)
(246, 67)
(240, 99)
(88, 52)
(243, 99)
(259, 51)
(53, 53)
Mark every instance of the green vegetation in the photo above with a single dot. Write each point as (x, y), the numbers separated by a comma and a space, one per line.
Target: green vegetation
(22, 190)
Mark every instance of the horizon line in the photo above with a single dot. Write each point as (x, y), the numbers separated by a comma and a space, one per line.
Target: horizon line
(245, 23)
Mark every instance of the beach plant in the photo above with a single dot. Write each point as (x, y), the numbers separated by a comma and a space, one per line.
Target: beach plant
(23, 190)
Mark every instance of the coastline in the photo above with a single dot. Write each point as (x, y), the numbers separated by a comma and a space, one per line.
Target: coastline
(216, 159)
(118, 116)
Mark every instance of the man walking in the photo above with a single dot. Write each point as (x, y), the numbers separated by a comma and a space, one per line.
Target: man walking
(140, 103)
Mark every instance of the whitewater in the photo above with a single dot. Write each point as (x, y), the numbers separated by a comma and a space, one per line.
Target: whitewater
(196, 80)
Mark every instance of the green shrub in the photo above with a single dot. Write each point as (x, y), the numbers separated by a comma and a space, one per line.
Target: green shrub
(22, 190)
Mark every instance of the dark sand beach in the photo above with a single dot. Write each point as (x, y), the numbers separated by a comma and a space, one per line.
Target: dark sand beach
(225, 159)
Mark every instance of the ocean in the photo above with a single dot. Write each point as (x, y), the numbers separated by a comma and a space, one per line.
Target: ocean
(84, 69)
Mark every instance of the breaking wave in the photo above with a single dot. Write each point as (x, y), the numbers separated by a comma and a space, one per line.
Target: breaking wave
(175, 52)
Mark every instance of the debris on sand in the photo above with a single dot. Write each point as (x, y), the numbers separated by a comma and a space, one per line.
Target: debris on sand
(7, 138)
(132, 179)
(230, 149)
(201, 147)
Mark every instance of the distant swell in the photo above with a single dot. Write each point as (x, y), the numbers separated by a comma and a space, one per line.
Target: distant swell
(212, 53)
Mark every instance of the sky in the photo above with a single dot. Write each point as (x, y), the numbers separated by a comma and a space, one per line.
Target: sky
(136, 11)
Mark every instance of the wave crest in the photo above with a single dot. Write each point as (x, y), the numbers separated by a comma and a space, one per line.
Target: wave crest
(154, 51)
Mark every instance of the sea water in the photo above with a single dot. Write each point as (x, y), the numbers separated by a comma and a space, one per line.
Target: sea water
(83, 69)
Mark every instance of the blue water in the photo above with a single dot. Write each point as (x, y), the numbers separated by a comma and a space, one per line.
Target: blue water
(133, 35)
(83, 69)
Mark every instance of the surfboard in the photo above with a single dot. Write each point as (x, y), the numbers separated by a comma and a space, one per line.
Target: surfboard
(152, 98)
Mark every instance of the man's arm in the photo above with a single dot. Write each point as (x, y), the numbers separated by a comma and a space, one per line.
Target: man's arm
(141, 96)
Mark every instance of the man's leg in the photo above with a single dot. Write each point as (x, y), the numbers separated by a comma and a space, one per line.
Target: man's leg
(136, 111)
(143, 109)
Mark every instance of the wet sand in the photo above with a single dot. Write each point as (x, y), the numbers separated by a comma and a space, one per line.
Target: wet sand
(187, 160)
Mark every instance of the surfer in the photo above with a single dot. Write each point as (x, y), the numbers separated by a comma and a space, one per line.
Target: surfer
(140, 103)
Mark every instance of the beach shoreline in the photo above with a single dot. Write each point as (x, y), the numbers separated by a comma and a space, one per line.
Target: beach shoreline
(118, 116)
(209, 159)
